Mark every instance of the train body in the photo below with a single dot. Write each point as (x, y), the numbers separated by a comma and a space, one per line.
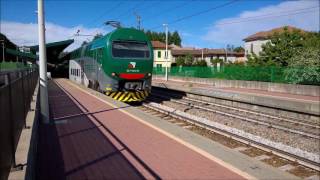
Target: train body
(118, 64)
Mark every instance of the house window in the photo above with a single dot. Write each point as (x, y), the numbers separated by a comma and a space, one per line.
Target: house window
(159, 65)
(159, 54)
(251, 48)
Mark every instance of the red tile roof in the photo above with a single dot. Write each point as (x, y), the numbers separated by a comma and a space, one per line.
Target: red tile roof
(158, 45)
(262, 35)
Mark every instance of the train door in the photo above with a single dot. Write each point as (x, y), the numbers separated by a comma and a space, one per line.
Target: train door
(82, 71)
(97, 64)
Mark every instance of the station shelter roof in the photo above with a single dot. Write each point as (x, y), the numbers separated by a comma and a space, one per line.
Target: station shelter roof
(21, 54)
(53, 50)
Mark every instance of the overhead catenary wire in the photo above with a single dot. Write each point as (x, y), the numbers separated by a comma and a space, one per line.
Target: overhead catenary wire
(106, 12)
(197, 13)
(131, 9)
(269, 15)
(170, 9)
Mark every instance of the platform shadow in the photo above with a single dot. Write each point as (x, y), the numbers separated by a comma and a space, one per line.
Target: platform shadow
(75, 148)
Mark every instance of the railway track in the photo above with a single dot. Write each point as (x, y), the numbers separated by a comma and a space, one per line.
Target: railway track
(293, 126)
(301, 158)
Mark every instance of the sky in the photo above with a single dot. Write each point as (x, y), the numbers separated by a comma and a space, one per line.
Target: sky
(201, 23)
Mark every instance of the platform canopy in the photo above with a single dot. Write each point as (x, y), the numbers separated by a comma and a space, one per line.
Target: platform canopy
(53, 50)
(21, 54)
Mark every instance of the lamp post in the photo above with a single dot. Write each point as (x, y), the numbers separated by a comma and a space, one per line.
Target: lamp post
(166, 52)
(44, 105)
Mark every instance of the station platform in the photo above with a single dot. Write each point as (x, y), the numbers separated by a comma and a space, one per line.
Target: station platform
(292, 102)
(91, 136)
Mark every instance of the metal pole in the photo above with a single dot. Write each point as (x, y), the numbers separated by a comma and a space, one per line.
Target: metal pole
(226, 54)
(44, 109)
(138, 19)
(166, 54)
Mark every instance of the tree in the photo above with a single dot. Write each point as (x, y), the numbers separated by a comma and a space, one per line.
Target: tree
(281, 48)
(188, 60)
(180, 61)
(202, 62)
(304, 68)
(215, 61)
(238, 49)
(173, 38)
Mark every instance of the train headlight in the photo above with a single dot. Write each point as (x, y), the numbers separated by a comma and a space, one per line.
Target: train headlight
(149, 74)
(113, 74)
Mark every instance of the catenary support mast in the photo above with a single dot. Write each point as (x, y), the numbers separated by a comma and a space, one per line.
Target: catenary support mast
(44, 109)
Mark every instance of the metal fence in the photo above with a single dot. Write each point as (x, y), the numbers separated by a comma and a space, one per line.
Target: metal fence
(16, 91)
(247, 73)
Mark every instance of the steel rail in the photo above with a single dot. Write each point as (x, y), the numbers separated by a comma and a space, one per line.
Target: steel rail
(312, 125)
(286, 155)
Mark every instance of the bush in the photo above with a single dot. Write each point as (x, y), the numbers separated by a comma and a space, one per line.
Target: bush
(304, 68)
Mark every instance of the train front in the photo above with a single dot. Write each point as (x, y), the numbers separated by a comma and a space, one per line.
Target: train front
(129, 65)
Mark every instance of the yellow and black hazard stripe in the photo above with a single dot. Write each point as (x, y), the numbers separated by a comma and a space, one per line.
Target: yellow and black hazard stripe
(126, 96)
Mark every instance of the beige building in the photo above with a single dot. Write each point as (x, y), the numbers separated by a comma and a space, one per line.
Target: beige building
(253, 43)
(208, 54)
(159, 50)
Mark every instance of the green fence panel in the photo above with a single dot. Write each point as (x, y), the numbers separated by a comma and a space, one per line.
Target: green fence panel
(247, 73)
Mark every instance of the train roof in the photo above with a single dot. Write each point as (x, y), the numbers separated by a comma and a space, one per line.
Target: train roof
(120, 33)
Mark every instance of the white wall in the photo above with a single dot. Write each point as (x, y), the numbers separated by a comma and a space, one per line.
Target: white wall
(161, 60)
(257, 46)
(75, 71)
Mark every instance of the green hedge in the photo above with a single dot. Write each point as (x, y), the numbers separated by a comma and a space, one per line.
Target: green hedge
(247, 73)
(12, 65)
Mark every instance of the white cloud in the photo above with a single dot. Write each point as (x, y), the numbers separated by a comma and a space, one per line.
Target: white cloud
(225, 32)
(27, 34)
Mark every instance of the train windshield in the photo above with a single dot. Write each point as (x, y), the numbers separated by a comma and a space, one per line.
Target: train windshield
(130, 49)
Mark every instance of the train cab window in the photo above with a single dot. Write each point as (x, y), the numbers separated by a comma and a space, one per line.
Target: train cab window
(130, 49)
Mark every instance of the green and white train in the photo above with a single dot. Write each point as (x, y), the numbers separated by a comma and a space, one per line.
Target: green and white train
(118, 64)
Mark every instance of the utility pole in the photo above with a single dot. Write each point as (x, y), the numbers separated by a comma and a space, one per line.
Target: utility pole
(44, 106)
(227, 53)
(138, 20)
(166, 53)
